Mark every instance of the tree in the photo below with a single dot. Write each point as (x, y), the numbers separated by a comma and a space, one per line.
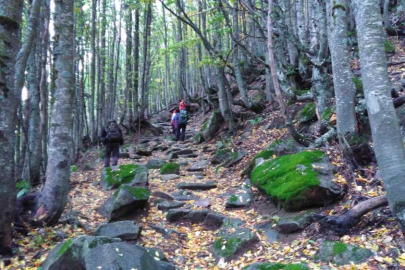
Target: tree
(385, 131)
(53, 195)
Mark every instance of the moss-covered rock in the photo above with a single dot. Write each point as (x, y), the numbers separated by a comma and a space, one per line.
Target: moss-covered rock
(276, 266)
(340, 254)
(212, 125)
(227, 157)
(155, 163)
(128, 174)
(308, 113)
(298, 181)
(70, 254)
(170, 168)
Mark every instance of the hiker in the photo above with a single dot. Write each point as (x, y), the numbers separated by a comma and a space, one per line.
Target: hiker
(182, 105)
(112, 138)
(181, 129)
(175, 122)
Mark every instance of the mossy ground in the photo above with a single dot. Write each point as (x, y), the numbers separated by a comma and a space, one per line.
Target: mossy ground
(140, 193)
(281, 179)
(170, 168)
(339, 248)
(231, 246)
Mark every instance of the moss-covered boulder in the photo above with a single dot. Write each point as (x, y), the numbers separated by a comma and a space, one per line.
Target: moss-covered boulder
(308, 113)
(170, 168)
(211, 126)
(276, 266)
(128, 174)
(155, 163)
(125, 200)
(227, 157)
(340, 254)
(71, 253)
(231, 239)
(298, 181)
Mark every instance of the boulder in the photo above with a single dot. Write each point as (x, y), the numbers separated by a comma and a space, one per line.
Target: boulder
(128, 174)
(298, 181)
(170, 168)
(71, 253)
(227, 157)
(276, 266)
(124, 201)
(155, 163)
(214, 220)
(193, 216)
(199, 166)
(213, 124)
(125, 230)
(340, 254)
(176, 214)
(308, 113)
(294, 224)
(167, 205)
(119, 256)
(184, 195)
(243, 196)
(268, 230)
(198, 186)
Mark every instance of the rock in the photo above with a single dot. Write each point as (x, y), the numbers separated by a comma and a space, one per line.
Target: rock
(124, 155)
(188, 156)
(119, 256)
(128, 174)
(197, 216)
(276, 266)
(166, 232)
(160, 194)
(198, 186)
(308, 113)
(71, 253)
(295, 224)
(135, 156)
(125, 230)
(214, 220)
(227, 157)
(340, 254)
(176, 214)
(242, 198)
(170, 168)
(167, 205)
(89, 167)
(183, 152)
(198, 166)
(298, 181)
(270, 233)
(155, 163)
(168, 177)
(184, 195)
(124, 201)
(211, 126)
(203, 203)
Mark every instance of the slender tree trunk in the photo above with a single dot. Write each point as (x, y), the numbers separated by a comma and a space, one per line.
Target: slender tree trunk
(136, 65)
(387, 139)
(109, 97)
(145, 74)
(128, 66)
(167, 61)
(103, 53)
(53, 196)
(10, 27)
(93, 135)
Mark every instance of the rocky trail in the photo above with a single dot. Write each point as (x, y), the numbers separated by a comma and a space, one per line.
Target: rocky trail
(189, 206)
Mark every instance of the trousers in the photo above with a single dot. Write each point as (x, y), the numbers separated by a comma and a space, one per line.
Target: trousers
(111, 150)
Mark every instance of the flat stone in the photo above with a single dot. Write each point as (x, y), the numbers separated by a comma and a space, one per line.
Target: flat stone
(295, 224)
(202, 202)
(184, 195)
(124, 155)
(168, 177)
(176, 214)
(183, 152)
(198, 186)
(135, 156)
(155, 163)
(125, 230)
(242, 198)
(188, 156)
(167, 205)
(214, 220)
(197, 216)
(160, 194)
(340, 254)
(167, 233)
(198, 166)
(268, 230)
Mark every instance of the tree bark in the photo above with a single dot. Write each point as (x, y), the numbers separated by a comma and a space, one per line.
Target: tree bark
(387, 138)
(128, 65)
(145, 69)
(136, 65)
(93, 135)
(53, 195)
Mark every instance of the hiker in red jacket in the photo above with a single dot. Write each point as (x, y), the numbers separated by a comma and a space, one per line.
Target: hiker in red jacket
(182, 105)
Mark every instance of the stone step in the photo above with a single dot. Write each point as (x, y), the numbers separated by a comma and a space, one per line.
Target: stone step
(198, 186)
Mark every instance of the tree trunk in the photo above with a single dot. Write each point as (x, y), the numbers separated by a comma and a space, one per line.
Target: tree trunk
(128, 65)
(53, 196)
(145, 74)
(10, 27)
(93, 135)
(342, 74)
(387, 138)
(136, 65)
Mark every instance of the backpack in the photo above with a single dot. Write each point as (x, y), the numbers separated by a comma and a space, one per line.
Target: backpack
(183, 117)
(113, 132)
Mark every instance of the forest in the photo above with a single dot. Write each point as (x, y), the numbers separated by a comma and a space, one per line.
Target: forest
(243, 134)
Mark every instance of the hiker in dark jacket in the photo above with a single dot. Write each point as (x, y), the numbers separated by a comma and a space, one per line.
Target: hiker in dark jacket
(112, 138)
(181, 128)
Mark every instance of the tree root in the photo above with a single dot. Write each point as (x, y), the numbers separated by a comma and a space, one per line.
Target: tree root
(343, 223)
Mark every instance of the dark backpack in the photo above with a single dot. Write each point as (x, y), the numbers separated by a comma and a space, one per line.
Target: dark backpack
(183, 118)
(113, 133)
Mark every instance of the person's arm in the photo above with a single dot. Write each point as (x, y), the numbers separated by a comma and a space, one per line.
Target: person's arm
(122, 137)
(103, 136)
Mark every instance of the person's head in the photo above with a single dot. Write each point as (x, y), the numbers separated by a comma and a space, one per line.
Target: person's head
(174, 111)
(182, 100)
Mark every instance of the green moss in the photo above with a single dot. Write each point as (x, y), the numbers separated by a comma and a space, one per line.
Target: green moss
(101, 153)
(336, 6)
(124, 175)
(327, 114)
(287, 176)
(226, 248)
(170, 168)
(73, 168)
(140, 193)
(280, 266)
(308, 113)
(339, 248)
(358, 83)
(389, 47)
(233, 199)
(204, 126)
(65, 246)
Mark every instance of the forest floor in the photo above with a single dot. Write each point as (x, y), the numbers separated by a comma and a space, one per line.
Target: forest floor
(191, 249)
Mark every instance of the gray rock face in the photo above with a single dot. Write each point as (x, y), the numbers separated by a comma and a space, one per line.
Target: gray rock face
(193, 216)
(198, 166)
(198, 186)
(184, 195)
(197, 216)
(89, 166)
(176, 214)
(296, 224)
(212, 126)
(214, 220)
(119, 256)
(167, 205)
(160, 194)
(341, 254)
(242, 198)
(71, 253)
(167, 233)
(168, 177)
(268, 230)
(124, 201)
(227, 158)
(125, 230)
(155, 163)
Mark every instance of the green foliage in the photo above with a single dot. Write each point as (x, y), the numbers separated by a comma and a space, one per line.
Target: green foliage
(359, 84)
(141, 193)
(65, 246)
(73, 168)
(389, 47)
(256, 121)
(308, 113)
(124, 175)
(23, 187)
(170, 168)
(286, 177)
(327, 114)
